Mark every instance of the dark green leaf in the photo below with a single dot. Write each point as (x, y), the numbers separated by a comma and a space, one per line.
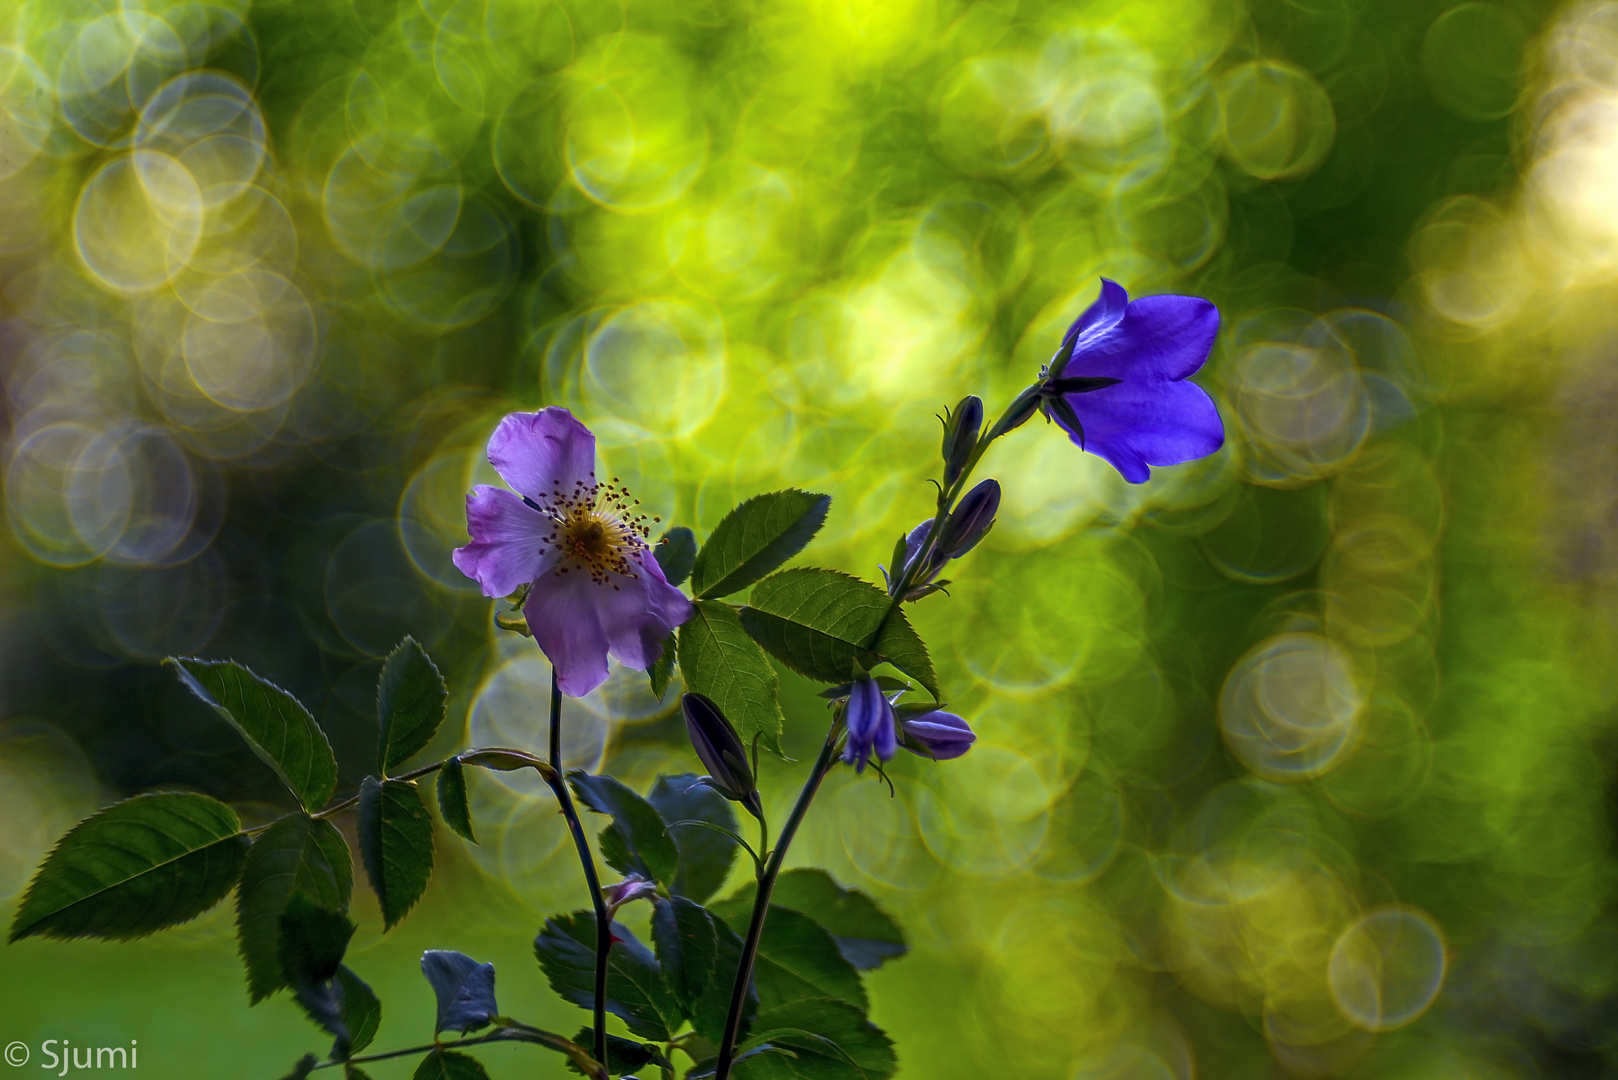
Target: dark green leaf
(797, 958)
(865, 934)
(354, 1072)
(662, 669)
(303, 1068)
(708, 1016)
(361, 1011)
(313, 941)
(820, 622)
(755, 538)
(676, 554)
(687, 948)
(820, 1039)
(464, 988)
(637, 841)
(140, 865)
(444, 1064)
(719, 661)
(410, 699)
(277, 727)
(623, 1055)
(705, 856)
(452, 800)
(636, 992)
(297, 854)
(396, 844)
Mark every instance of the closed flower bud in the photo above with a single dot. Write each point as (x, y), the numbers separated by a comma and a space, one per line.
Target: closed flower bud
(633, 887)
(971, 520)
(936, 734)
(871, 727)
(721, 751)
(961, 436)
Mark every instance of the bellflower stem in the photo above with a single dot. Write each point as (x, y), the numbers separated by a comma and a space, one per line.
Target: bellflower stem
(558, 784)
(761, 902)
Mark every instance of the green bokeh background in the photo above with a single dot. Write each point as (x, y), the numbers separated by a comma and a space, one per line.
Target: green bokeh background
(1295, 761)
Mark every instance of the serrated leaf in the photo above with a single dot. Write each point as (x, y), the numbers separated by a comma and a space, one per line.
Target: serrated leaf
(637, 841)
(396, 844)
(820, 1039)
(662, 669)
(676, 554)
(705, 855)
(303, 1068)
(636, 992)
(453, 804)
(623, 1055)
(354, 1072)
(464, 988)
(865, 934)
(721, 662)
(797, 958)
(410, 696)
(138, 866)
(819, 622)
(709, 1010)
(687, 948)
(444, 1064)
(297, 854)
(313, 941)
(361, 1011)
(274, 723)
(755, 538)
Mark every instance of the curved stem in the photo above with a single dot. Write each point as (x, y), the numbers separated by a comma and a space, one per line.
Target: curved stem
(558, 784)
(761, 902)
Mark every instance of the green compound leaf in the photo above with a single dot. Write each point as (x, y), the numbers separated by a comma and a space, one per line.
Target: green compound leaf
(676, 554)
(396, 844)
(687, 948)
(865, 934)
(820, 622)
(720, 661)
(138, 866)
(277, 727)
(636, 992)
(452, 801)
(797, 958)
(755, 538)
(444, 1064)
(637, 841)
(708, 1012)
(623, 1055)
(706, 856)
(662, 669)
(410, 699)
(817, 1039)
(295, 855)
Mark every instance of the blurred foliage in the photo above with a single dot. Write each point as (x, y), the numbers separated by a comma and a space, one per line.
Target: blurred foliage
(1298, 758)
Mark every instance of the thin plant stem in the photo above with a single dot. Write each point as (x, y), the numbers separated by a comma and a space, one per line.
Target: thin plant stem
(558, 784)
(761, 902)
(520, 1033)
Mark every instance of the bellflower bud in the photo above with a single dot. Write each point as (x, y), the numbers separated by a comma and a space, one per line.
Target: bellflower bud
(721, 751)
(971, 520)
(871, 726)
(961, 436)
(633, 887)
(936, 734)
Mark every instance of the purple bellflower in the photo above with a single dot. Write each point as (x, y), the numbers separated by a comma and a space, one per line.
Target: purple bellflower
(936, 734)
(596, 589)
(1118, 385)
(871, 727)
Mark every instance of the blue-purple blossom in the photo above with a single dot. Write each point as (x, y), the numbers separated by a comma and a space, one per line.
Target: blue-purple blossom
(596, 589)
(871, 727)
(1118, 385)
(937, 734)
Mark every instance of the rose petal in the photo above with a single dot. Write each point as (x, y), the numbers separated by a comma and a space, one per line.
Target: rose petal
(507, 548)
(564, 618)
(543, 453)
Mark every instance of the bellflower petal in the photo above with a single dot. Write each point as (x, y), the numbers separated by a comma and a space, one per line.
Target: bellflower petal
(938, 735)
(1097, 319)
(1133, 425)
(507, 541)
(870, 725)
(543, 452)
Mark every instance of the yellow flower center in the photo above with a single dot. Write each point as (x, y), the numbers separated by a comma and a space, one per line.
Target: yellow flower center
(596, 530)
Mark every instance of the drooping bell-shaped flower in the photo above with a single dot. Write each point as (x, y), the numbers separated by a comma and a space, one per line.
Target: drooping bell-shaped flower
(721, 752)
(871, 727)
(595, 588)
(936, 734)
(1118, 385)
